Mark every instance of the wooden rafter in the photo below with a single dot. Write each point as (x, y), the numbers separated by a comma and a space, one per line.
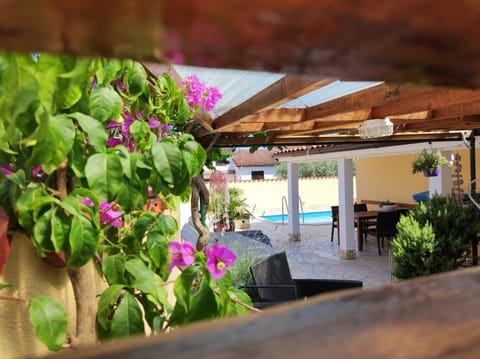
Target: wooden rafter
(285, 89)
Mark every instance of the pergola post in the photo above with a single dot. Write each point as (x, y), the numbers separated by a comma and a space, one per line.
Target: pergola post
(441, 184)
(346, 220)
(293, 200)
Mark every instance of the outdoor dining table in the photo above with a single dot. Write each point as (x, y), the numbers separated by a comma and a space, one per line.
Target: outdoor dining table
(359, 216)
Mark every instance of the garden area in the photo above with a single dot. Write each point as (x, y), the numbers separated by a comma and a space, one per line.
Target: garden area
(96, 156)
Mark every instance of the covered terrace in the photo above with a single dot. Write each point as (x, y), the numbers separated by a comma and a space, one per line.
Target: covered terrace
(425, 57)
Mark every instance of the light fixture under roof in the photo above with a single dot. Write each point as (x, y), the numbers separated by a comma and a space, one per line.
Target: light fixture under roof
(376, 128)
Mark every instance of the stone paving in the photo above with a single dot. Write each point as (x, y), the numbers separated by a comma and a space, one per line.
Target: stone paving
(315, 256)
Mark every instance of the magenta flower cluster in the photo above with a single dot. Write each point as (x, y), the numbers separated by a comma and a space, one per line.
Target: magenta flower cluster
(219, 257)
(120, 129)
(108, 213)
(199, 95)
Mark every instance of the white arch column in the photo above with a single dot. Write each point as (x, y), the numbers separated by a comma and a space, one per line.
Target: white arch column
(293, 201)
(346, 220)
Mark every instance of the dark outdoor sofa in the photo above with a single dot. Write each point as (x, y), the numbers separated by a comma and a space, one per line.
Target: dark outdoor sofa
(274, 283)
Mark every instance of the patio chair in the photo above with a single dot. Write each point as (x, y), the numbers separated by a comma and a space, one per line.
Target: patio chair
(335, 222)
(357, 207)
(274, 283)
(385, 227)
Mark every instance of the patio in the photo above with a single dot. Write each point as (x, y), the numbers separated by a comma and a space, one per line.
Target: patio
(315, 256)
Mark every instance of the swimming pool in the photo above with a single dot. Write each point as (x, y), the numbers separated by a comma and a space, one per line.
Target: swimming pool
(307, 217)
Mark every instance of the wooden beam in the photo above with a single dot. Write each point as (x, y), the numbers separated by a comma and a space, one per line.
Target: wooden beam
(451, 124)
(430, 100)
(457, 110)
(374, 96)
(289, 139)
(284, 90)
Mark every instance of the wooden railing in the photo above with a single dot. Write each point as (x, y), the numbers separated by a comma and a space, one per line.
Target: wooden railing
(432, 317)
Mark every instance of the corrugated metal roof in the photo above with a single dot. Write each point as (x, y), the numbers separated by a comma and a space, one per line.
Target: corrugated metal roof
(330, 92)
(236, 86)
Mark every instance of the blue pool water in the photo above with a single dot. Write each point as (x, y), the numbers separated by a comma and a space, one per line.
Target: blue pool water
(307, 217)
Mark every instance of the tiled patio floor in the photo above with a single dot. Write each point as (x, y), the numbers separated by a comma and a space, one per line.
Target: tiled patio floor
(315, 256)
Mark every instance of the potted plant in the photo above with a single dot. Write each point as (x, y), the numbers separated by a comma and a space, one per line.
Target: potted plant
(238, 209)
(229, 212)
(387, 206)
(429, 163)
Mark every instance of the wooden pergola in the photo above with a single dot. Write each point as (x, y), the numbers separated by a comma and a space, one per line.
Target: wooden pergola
(425, 53)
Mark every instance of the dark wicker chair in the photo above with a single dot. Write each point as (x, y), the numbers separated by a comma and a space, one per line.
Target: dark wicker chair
(335, 222)
(384, 227)
(274, 283)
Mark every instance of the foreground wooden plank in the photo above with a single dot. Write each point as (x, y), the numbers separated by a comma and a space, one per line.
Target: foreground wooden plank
(435, 317)
(421, 41)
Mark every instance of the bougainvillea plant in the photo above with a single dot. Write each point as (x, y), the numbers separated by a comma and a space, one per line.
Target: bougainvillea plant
(85, 144)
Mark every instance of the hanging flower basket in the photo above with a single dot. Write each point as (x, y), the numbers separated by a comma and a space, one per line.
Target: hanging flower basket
(432, 173)
(429, 163)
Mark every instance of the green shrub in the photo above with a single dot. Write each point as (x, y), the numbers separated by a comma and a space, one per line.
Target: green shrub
(435, 237)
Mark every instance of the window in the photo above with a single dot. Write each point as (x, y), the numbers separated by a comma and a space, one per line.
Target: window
(258, 175)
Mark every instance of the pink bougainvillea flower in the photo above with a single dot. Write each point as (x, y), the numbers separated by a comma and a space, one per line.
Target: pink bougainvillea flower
(38, 175)
(6, 169)
(108, 214)
(153, 123)
(180, 254)
(87, 201)
(94, 81)
(199, 95)
(219, 259)
(166, 127)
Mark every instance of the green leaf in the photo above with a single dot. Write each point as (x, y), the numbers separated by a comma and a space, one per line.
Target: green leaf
(50, 322)
(55, 141)
(143, 224)
(167, 160)
(104, 175)
(127, 159)
(204, 303)
(6, 285)
(135, 80)
(105, 104)
(129, 197)
(106, 305)
(25, 205)
(83, 242)
(95, 130)
(167, 225)
(51, 231)
(114, 269)
(108, 70)
(182, 289)
(144, 278)
(69, 97)
(127, 319)
(157, 247)
(194, 157)
(231, 307)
